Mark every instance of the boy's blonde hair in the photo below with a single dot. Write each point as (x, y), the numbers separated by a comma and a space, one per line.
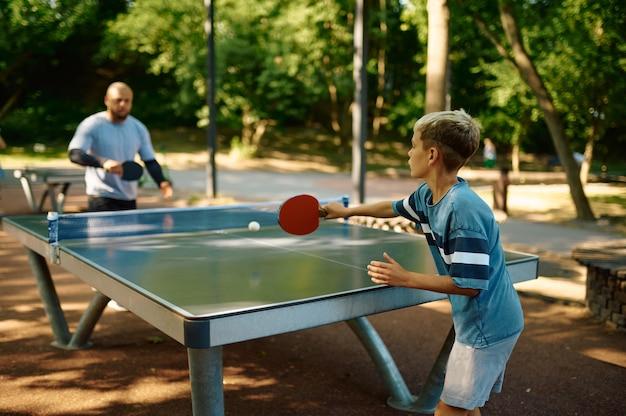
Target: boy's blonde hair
(455, 133)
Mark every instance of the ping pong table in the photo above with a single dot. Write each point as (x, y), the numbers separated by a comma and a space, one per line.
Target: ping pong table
(56, 181)
(205, 280)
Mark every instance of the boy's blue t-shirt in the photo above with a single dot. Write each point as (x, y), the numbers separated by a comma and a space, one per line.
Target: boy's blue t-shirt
(98, 136)
(464, 240)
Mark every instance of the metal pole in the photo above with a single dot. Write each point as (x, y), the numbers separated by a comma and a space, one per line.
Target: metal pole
(211, 170)
(88, 321)
(359, 108)
(49, 298)
(28, 190)
(431, 392)
(206, 376)
(401, 397)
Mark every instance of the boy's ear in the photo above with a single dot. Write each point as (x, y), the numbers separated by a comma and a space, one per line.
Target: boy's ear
(433, 154)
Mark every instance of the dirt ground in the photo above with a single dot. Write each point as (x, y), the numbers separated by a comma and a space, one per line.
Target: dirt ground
(564, 364)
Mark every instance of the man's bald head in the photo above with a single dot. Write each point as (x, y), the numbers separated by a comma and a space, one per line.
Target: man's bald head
(119, 101)
(119, 86)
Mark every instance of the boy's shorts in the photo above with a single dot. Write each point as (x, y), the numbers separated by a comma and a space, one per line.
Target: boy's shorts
(472, 374)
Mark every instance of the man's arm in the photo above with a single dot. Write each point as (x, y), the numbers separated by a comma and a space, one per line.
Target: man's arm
(156, 172)
(80, 157)
(83, 158)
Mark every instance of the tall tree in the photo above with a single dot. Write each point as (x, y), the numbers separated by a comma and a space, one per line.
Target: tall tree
(584, 65)
(380, 66)
(437, 61)
(33, 30)
(532, 78)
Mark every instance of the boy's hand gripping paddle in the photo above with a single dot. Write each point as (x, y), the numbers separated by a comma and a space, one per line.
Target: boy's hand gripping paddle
(131, 171)
(300, 215)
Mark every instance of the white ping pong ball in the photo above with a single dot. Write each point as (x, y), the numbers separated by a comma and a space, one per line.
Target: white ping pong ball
(254, 226)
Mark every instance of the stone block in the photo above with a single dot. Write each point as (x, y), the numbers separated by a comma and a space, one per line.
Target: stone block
(619, 319)
(605, 313)
(615, 306)
(620, 296)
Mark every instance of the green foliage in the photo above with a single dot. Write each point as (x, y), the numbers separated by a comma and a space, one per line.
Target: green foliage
(45, 68)
(576, 46)
(167, 38)
(287, 63)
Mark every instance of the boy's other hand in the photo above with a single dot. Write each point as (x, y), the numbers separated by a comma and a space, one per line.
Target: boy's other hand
(388, 273)
(334, 210)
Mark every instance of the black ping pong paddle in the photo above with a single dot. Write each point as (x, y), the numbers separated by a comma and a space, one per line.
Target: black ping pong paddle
(131, 171)
(300, 215)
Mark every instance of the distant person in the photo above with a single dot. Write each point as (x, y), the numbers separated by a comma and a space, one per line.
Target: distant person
(489, 153)
(464, 241)
(579, 158)
(103, 141)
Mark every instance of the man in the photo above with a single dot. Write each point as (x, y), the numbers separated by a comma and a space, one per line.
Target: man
(103, 141)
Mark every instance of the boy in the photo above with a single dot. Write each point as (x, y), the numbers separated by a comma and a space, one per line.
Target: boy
(465, 243)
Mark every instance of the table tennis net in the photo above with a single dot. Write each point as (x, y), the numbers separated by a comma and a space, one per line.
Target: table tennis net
(166, 220)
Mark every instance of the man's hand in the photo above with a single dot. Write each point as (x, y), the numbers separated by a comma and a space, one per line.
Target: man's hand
(113, 166)
(166, 189)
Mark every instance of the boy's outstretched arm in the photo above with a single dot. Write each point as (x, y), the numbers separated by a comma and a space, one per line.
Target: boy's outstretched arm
(381, 209)
(393, 274)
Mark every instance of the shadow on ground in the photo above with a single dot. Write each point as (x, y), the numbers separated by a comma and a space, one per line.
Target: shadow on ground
(564, 363)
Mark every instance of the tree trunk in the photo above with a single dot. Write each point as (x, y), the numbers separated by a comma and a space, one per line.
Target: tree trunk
(334, 108)
(515, 155)
(8, 105)
(532, 78)
(437, 61)
(588, 156)
(247, 127)
(380, 84)
(586, 164)
(519, 132)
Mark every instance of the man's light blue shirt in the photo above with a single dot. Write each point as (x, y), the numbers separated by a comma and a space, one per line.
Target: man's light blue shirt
(99, 137)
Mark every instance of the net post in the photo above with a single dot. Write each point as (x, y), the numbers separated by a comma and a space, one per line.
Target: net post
(53, 236)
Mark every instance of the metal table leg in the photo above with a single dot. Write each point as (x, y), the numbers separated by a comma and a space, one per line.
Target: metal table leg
(400, 396)
(47, 291)
(431, 392)
(88, 321)
(49, 298)
(49, 192)
(60, 198)
(27, 188)
(206, 376)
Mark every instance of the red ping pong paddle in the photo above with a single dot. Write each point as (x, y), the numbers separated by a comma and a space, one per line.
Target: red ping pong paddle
(300, 215)
(131, 171)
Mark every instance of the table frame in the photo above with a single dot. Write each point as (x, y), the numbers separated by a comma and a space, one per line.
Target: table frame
(205, 338)
(57, 184)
